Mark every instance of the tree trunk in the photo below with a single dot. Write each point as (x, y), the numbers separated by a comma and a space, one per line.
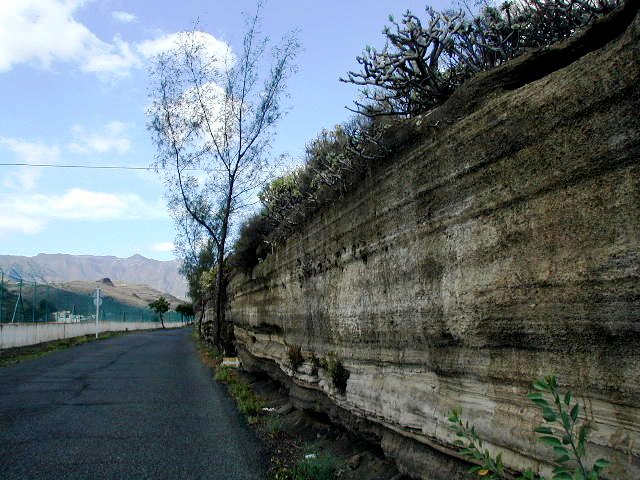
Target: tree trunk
(201, 317)
(220, 276)
(219, 297)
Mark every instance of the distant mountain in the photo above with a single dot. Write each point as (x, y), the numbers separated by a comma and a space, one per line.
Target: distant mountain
(131, 294)
(162, 276)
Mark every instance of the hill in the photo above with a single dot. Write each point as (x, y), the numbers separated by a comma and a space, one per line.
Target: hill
(119, 300)
(160, 275)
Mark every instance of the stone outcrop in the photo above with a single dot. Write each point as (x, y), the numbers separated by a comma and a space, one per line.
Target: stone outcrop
(501, 246)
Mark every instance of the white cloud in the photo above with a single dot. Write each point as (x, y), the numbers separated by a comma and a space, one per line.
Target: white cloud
(45, 31)
(163, 247)
(124, 17)
(10, 222)
(213, 47)
(25, 178)
(118, 59)
(112, 138)
(29, 213)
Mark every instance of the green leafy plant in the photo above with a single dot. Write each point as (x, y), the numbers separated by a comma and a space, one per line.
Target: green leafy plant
(568, 441)
(562, 430)
(471, 447)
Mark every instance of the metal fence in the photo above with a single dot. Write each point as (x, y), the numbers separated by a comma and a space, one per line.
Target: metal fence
(30, 301)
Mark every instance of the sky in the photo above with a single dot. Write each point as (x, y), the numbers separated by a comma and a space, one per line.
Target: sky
(74, 87)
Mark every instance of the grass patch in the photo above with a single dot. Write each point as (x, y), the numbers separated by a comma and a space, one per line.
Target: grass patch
(12, 356)
(273, 425)
(247, 400)
(314, 465)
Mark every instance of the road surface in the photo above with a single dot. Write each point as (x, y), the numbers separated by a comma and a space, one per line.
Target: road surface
(141, 406)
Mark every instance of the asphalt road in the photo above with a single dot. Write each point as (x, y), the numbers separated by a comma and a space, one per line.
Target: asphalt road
(140, 406)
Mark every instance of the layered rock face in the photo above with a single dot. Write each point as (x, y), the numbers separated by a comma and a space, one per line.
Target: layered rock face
(503, 246)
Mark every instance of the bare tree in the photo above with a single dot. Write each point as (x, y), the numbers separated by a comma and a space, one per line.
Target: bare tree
(212, 119)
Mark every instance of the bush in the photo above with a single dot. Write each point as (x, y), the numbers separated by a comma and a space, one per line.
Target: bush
(338, 374)
(422, 63)
(294, 352)
(251, 247)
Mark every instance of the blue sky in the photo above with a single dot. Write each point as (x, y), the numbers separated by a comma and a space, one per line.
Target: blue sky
(74, 87)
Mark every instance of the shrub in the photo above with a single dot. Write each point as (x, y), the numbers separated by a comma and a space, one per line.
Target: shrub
(568, 441)
(338, 374)
(315, 364)
(422, 63)
(294, 352)
(251, 247)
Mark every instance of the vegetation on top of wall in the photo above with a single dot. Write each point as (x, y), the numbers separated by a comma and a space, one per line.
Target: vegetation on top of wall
(423, 63)
(419, 68)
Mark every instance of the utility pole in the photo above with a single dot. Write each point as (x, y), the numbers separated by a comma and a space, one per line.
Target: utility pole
(1, 292)
(97, 301)
(33, 303)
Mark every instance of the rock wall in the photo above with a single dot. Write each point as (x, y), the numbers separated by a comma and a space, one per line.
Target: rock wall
(503, 246)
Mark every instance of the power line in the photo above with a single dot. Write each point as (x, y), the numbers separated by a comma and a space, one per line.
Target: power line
(99, 167)
(95, 167)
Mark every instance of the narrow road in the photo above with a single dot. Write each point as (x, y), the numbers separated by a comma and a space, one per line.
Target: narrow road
(141, 406)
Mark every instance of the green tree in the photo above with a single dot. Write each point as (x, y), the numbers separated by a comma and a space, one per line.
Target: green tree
(185, 310)
(212, 121)
(160, 306)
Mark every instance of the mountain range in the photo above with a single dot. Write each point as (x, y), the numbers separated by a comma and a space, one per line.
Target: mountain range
(161, 275)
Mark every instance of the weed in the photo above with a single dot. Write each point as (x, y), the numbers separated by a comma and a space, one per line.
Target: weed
(224, 374)
(339, 375)
(294, 352)
(251, 406)
(248, 402)
(273, 425)
(315, 466)
(315, 364)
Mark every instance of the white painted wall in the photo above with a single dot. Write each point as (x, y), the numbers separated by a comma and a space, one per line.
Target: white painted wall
(21, 334)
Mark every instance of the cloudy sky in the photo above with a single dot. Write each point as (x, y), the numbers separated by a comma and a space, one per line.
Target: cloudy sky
(74, 87)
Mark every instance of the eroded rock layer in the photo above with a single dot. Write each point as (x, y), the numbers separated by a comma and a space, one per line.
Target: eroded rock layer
(503, 246)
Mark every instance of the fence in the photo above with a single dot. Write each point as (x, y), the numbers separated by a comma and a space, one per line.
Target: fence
(23, 301)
